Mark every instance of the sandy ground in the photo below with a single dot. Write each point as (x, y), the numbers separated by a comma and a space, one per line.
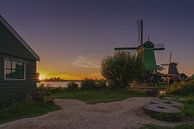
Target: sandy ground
(126, 114)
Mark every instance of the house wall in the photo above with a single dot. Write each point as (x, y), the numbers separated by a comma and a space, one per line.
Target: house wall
(16, 89)
(11, 45)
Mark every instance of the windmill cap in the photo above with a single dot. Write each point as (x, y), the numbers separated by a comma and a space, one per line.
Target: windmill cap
(148, 44)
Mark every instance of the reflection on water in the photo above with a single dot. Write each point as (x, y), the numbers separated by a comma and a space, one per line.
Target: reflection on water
(56, 84)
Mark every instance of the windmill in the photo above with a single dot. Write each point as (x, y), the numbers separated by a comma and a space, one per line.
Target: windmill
(145, 50)
(173, 74)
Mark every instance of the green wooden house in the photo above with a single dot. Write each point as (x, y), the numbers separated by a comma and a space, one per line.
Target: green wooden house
(17, 65)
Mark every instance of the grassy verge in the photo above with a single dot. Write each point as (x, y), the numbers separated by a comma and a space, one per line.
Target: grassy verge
(188, 108)
(25, 109)
(95, 96)
(185, 126)
(167, 117)
(186, 114)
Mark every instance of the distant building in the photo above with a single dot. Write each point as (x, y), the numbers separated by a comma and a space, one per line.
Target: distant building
(17, 65)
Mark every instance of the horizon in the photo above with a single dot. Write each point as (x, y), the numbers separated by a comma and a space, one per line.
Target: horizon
(72, 38)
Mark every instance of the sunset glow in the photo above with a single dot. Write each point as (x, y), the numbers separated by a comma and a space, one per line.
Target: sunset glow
(42, 76)
(73, 37)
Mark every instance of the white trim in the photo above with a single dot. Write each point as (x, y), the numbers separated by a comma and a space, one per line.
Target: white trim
(11, 66)
(6, 24)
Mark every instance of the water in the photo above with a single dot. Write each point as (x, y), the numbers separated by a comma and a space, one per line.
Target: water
(56, 84)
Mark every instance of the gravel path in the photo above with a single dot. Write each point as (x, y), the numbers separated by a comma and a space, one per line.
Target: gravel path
(126, 114)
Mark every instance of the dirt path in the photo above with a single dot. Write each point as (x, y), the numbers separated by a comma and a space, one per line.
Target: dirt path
(126, 114)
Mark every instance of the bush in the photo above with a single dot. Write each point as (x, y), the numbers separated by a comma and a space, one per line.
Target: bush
(100, 84)
(24, 109)
(38, 96)
(72, 86)
(57, 89)
(183, 88)
(122, 68)
(49, 90)
(88, 84)
(45, 90)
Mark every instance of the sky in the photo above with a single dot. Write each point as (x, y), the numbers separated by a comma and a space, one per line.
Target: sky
(73, 36)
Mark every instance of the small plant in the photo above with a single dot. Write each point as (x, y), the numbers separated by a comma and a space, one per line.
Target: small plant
(88, 84)
(24, 109)
(183, 88)
(72, 86)
(45, 90)
(101, 84)
(38, 96)
(57, 89)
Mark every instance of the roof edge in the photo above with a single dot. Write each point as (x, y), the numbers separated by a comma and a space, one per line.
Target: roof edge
(11, 29)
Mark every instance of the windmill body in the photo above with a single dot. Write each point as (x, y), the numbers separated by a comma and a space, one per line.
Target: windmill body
(173, 74)
(145, 50)
(172, 69)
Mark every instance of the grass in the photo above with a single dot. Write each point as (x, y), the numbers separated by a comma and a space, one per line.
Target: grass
(24, 109)
(188, 108)
(95, 96)
(185, 126)
(167, 117)
(30, 108)
(186, 114)
(181, 89)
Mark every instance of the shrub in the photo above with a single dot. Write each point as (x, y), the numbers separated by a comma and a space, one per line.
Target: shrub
(38, 96)
(101, 84)
(183, 88)
(88, 84)
(122, 68)
(57, 89)
(24, 109)
(45, 90)
(72, 85)
(49, 90)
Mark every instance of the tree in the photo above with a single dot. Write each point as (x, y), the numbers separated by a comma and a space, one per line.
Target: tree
(122, 68)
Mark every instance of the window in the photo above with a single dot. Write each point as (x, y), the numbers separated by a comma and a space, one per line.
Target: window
(14, 70)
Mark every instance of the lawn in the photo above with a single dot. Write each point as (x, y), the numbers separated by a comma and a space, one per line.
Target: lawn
(31, 108)
(186, 114)
(95, 96)
(24, 109)
(185, 126)
(188, 108)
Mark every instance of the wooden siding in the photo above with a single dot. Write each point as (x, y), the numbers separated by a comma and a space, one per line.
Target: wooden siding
(10, 45)
(11, 90)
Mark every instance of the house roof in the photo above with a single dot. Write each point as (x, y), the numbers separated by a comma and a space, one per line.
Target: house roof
(6, 24)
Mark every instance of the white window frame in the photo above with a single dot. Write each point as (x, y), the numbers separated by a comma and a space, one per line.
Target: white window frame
(14, 61)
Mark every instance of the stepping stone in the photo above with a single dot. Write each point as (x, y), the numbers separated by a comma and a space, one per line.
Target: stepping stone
(177, 99)
(167, 102)
(161, 108)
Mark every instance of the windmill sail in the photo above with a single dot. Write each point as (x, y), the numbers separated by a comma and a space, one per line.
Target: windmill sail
(159, 47)
(126, 48)
(145, 50)
(140, 31)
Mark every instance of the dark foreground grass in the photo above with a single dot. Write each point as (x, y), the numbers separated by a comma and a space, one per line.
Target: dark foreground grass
(188, 108)
(24, 109)
(186, 114)
(96, 96)
(185, 126)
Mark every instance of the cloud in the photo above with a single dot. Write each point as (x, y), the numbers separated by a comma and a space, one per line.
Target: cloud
(81, 61)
